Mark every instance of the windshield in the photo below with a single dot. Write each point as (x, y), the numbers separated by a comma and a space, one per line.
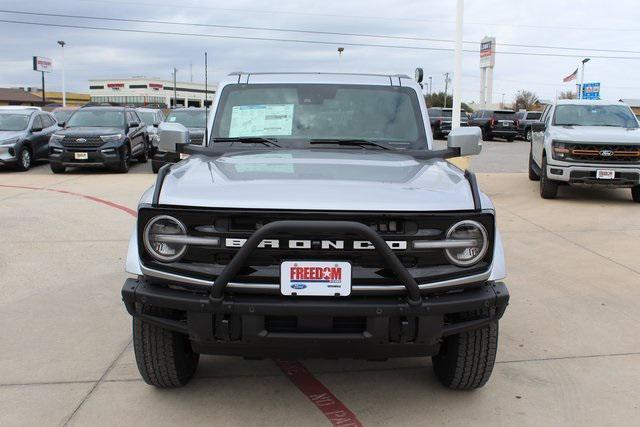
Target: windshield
(147, 117)
(595, 115)
(298, 113)
(188, 118)
(14, 121)
(504, 115)
(62, 115)
(534, 116)
(97, 118)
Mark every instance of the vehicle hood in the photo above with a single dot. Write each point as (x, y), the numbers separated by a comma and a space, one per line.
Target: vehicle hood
(340, 179)
(196, 131)
(10, 134)
(604, 134)
(89, 131)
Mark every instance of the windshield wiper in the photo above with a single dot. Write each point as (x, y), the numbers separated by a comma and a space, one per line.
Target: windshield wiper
(250, 140)
(352, 142)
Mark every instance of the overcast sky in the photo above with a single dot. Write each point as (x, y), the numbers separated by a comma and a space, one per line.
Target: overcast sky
(104, 54)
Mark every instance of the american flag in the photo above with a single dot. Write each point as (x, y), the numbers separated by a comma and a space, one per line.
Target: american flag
(571, 76)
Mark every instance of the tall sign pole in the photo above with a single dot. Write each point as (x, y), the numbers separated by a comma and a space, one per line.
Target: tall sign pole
(487, 62)
(457, 71)
(64, 90)
(446, 87)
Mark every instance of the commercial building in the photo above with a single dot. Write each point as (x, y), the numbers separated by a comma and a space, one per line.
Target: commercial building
(74, 99)
(143, 91)
(18, 96)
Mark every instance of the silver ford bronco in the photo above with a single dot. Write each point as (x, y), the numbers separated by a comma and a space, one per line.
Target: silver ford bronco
(317, 220)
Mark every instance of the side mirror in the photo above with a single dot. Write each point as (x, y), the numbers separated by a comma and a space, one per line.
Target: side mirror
(172, 135)
(134, 125)
(156, 124)
(467, 139)
(538, 127)
(61, 124)
(36, 129)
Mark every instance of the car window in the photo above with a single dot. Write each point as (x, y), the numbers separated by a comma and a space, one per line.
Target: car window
(594, 115)
(13, 122)
(520, 115)
(534, 116)
(37, 123)
(49, 120)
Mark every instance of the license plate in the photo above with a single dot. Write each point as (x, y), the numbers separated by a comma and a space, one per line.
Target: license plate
(605, 174)
(315, 278)
(505, 124)
(81, 156)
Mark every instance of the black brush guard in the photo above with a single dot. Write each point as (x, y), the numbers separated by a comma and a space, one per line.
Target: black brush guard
(314, 227)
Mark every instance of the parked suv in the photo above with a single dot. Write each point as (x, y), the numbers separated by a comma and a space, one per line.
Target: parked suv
(24, 136)
(586, 143)
(194, 119)
(440, 119)
(151, 117)
(525, 120)
(99, 136)
(496, 124)
(318, 221)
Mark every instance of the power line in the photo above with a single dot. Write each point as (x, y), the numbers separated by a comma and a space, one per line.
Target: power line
(317, 42)
(291, 30)
(381, 18)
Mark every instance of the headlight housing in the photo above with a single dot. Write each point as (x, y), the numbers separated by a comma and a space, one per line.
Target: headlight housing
(111, 138)
(159, 238)
(56, 138)
(476, 234)
(560, 152)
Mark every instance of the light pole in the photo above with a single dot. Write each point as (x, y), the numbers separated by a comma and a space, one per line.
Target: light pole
(502, 103)
(64, 91)
(446, 87)
(175, 95)
(457, 70)
(580, 90)
(430, 86)
(340, 50)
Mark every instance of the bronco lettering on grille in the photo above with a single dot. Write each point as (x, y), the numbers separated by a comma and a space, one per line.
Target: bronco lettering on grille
(399, 245)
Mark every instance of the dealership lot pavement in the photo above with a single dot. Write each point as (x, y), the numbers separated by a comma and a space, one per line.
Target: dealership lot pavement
(569, 350)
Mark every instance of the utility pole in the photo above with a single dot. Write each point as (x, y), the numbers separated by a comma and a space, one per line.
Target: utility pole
(44, 94)
(340, 50)
(64, 91)
(191, 72)
(446, 87)
(457, 71)
(430, 86)
(175, 95)
(502, 103)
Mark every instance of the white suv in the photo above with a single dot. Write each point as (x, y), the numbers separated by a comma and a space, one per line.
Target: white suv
(586, 142)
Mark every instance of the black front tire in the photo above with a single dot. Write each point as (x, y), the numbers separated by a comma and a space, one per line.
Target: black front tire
(144, 156)
(57, 168)
(486, 135)
(635, 193)
(466, 360)
(165, 359)
(548, 188)
(125, 160)
(25, 159)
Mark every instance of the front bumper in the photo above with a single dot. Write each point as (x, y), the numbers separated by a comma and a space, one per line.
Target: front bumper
(105, 156)
(279, 326)
(8, 154)
(625, 176)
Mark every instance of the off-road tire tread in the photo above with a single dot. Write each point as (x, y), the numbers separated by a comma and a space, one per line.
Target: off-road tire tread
(469, 358)
(160, 354)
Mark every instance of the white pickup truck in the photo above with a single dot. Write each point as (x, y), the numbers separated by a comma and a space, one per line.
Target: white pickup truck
(580, 142)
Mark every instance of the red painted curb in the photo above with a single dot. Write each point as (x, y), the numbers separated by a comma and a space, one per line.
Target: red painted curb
(332, 408)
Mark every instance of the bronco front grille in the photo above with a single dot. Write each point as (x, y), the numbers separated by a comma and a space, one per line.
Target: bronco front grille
(196, 139)
(368, 269)
(603, 153)
(82, 141)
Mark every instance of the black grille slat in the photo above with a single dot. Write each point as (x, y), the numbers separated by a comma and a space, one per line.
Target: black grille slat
(621, 153)
(89, 141)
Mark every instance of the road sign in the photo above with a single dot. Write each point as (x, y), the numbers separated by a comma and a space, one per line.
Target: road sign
(44, 65)
(591, 91)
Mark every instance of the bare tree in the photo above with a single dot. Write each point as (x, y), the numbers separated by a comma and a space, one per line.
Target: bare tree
(525, 100)
(567, 94)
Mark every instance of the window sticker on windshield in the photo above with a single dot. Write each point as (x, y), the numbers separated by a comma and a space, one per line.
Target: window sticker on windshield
(261, 120)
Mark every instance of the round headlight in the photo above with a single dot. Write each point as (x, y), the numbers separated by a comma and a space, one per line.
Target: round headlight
(473, 243)
(160, 238)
